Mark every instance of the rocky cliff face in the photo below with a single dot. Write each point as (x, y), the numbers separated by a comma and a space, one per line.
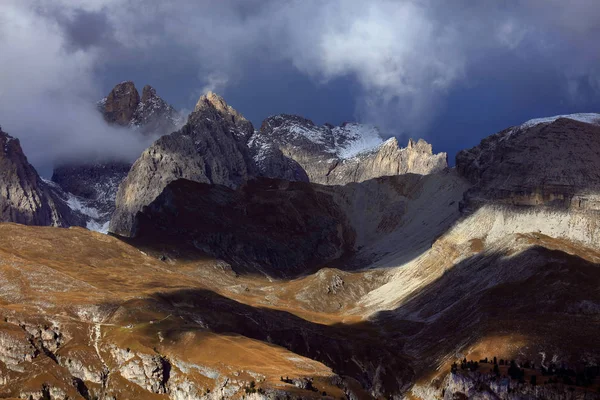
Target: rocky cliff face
(388, 159)
(91, 188)
(148, 113)
(348, 153)
(24, 197)
(121, 103)
(547, 162)
(210, 148)
(218, 145)
(275, 227)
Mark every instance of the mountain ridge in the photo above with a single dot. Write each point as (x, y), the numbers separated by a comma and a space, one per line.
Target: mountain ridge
(220, 281)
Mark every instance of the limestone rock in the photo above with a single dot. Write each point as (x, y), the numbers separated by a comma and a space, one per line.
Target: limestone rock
(24, 197)
(154, 116)
(15, 349)
(121, 104)
(210, 148)
(150, 113)
(272, 163)
(91, 187)
(148, 371)
(272, 226)
(388, 159)
(347, 153)
(553, 163)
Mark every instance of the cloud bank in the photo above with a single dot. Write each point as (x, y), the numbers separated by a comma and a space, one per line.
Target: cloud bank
(404, 55)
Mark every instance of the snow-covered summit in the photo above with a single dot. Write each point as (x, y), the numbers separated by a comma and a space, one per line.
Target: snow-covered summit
(589, 118)
(342, 142)
(351, 152)
(352, 139)
(155, 116)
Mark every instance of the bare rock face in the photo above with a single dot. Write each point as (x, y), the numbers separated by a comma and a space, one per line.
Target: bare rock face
(553, 163)
(92, 181)
(91, 188)
(347, 153)
(272, 163)
(272, 226)
(388, 159)
(218, 145)
(120, 105)
(154, 116)
(210, 148)
(24, 197)
(150, 114)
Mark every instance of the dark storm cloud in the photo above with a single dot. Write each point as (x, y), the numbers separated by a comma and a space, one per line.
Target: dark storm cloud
(406, 63)
(85, 29)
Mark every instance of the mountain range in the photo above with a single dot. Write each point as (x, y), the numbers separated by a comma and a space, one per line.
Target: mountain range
(302, 261)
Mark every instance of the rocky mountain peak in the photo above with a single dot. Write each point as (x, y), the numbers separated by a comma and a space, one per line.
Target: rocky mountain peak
(150, 114)
(420, 146)
(210, 148)
(547, 162)
(9, 144)
(351, 152)
(24, 196)
(121, 103)
(148, 92)
(90, 187)
(275, 121)
(393, 143)
(213, 101)
(212, 106)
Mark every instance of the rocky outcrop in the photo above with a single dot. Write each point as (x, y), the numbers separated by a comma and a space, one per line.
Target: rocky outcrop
(218, 145)
(271, 163)
(272, 226)
(548, 162)
(121, 103)
(24, 197)
(484, 386)
(149, 113)
(98, 182)
(347, 153)
(91, 188)
(388, 159)
(210, 148)
(154, 116)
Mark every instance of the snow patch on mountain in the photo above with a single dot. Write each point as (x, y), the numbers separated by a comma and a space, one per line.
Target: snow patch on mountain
(155, 107)
(96, 221)
(342, 142)
(80, 205)
(589, 118)
(353, 139)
